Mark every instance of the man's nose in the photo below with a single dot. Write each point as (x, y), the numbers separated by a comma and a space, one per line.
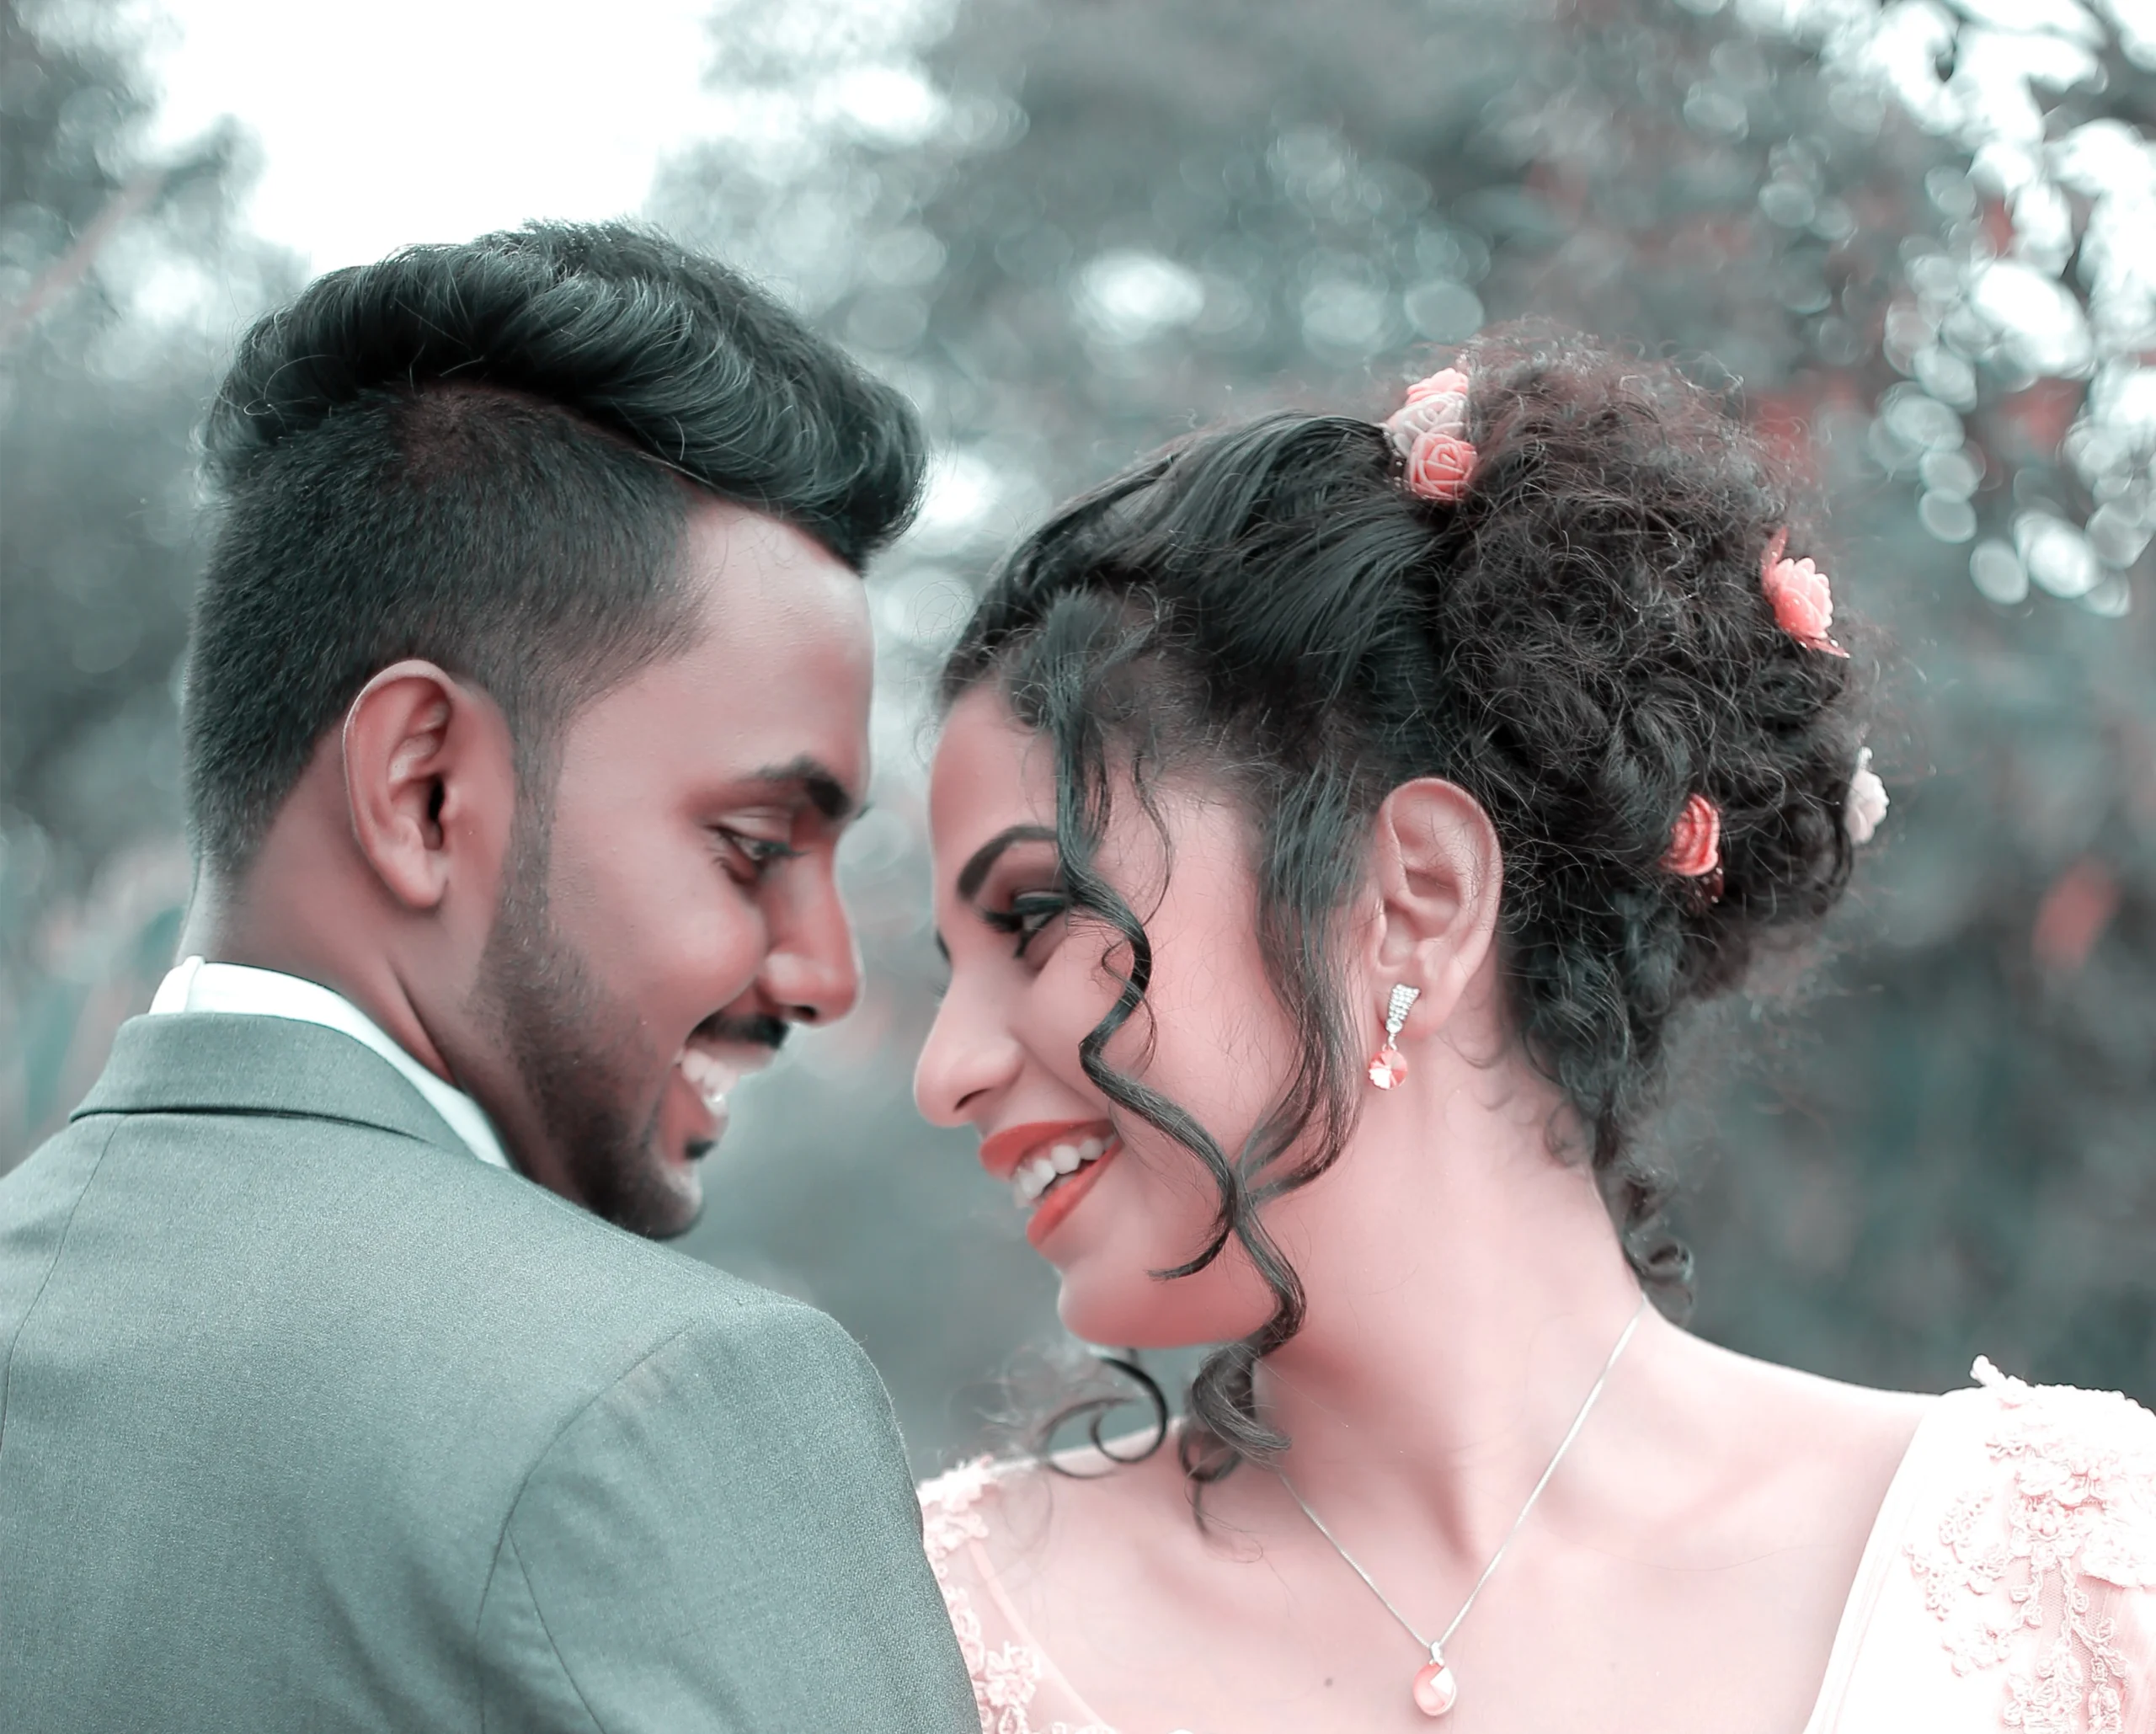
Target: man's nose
(812, 974)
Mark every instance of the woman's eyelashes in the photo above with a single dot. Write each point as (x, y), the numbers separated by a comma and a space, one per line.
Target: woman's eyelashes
(1030, 914)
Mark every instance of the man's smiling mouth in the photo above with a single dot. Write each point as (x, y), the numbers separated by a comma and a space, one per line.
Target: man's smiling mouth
(720, 1052)
(711, 1077)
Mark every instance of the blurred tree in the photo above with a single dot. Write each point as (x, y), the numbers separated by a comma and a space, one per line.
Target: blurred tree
(120, 276)
(1911, 245)
(1112, 221)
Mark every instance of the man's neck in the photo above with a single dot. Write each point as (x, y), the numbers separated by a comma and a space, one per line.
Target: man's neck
(237, 924)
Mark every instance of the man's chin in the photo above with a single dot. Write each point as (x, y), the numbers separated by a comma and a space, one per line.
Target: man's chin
(659, 1196)
(676, 1198)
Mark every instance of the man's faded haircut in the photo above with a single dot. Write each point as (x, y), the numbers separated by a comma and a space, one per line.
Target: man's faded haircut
(484, 455)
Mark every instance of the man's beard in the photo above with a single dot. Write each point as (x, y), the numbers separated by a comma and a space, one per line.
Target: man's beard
(577, 1051)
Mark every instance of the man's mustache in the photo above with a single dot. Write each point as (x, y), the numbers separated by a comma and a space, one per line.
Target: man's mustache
(758, 1031)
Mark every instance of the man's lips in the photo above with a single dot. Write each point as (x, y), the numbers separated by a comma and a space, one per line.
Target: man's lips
(711, 1070)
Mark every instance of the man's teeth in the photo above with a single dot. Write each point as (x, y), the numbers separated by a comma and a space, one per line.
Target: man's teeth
(1044, 1168)
(710, 1078)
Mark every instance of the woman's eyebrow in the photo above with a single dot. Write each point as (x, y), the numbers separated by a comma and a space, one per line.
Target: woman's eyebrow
(984, 858)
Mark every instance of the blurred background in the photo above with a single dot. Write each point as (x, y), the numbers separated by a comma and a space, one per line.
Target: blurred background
(1914, 243)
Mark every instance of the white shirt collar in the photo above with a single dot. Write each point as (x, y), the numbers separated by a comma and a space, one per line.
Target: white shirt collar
(197, 986)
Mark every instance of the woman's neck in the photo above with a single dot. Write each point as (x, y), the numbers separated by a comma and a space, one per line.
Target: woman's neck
(1466, 1289)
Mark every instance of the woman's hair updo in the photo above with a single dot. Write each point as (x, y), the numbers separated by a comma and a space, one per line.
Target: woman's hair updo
(1581, 642)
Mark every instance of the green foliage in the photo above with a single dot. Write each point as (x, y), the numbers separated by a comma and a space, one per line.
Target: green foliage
(120, 277)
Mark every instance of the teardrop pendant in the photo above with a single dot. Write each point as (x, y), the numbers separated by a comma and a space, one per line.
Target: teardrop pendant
(1386, 1067)
(1436, 1691)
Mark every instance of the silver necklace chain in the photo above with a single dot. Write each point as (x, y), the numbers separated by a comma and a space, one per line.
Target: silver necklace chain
(1571, 1433)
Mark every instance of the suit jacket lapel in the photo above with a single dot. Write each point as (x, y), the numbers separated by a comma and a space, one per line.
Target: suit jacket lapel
(217, 1063)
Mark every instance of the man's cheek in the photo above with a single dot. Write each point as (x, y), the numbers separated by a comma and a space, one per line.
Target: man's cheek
(733, 944)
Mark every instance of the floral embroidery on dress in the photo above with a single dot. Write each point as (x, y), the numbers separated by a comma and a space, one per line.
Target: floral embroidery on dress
(1005, 1678)
(2079, 1509)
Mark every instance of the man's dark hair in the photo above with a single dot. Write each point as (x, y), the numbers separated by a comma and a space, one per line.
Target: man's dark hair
(484, 455)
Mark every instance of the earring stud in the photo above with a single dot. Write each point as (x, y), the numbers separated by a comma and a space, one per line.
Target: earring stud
(1387, 1068)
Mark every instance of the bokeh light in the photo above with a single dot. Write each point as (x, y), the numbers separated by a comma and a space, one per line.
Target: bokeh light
(1913, 246)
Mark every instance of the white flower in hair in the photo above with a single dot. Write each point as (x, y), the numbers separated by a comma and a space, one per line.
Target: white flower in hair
(1429, 431)
(1866, 804)
(1435, 405)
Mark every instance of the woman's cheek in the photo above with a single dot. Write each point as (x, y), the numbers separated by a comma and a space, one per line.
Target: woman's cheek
(1109, 1293)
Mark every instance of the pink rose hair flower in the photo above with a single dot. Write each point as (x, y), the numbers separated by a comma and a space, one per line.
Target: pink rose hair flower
(1803, 602)
(1447, 383)
(1695, 840)
(1440, 467)
(1429, 431)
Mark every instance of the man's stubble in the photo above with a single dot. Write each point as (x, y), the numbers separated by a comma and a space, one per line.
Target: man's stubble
(577, 1051)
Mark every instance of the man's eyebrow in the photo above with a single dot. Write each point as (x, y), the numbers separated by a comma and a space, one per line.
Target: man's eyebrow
(984, 858)
(826, 793)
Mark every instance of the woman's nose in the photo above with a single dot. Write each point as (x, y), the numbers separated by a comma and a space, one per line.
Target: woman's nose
(970, 1057)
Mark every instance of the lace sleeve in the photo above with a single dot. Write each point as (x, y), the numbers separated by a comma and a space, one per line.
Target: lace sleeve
(2040, 1568)
(1016, 1689)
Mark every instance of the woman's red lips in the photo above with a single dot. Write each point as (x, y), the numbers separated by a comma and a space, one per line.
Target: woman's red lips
(1060, 1200)
(1001, 1152)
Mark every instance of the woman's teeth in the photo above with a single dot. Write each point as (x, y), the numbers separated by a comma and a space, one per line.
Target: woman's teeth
(1044, 1168)
(709, 1077)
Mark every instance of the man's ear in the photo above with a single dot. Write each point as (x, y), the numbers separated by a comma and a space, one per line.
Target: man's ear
(1439, 873)
(430, 782)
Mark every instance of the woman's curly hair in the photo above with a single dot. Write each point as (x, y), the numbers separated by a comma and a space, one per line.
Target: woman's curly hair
(1582, 643)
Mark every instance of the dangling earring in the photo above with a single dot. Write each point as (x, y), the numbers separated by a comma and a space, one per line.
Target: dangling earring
(1387, 1068)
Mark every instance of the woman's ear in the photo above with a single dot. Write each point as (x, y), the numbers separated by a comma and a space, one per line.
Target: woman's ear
(1437, 873)
(431, 780)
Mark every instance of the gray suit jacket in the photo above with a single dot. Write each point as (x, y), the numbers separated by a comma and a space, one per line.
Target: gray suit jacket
(308, 1419)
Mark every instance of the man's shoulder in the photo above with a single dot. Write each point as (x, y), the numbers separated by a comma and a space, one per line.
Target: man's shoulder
(606, 1290)
(303, 1387)
(366, 1249)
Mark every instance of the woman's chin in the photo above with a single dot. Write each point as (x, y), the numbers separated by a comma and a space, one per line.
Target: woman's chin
(1127, 1311)
(1104, 1326)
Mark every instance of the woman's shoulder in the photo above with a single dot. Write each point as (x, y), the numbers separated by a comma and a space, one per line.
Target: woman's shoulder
(2109, 1420)
(2070, 1473)
(981, 1501)
(997, 1534)
(1022, 1514)
(955, 1506)
(2013, 1568)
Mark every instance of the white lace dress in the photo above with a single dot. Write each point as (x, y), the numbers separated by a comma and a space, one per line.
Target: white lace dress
(2010, 1582)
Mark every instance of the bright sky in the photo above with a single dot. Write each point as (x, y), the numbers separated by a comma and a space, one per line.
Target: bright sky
(404, 120)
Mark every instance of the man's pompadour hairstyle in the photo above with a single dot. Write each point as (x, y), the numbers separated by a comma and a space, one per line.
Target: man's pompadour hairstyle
(484, 455)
